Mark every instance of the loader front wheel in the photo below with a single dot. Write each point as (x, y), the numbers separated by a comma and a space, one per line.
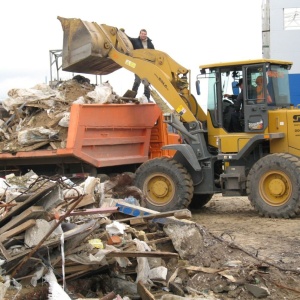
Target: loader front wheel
(273, 186)
(165, 183)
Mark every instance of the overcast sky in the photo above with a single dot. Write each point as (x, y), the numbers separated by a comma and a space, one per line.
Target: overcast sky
(192, 32)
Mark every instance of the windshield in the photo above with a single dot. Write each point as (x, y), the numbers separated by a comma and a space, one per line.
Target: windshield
(278, 85)
(272, 89)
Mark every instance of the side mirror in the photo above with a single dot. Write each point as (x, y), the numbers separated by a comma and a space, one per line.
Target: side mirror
(198, 87)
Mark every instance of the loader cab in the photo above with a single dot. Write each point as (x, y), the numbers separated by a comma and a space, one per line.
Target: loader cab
(265, 87)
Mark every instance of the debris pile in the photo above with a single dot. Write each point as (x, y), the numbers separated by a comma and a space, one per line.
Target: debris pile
(95, 240)
(38, 118)
(54, 226)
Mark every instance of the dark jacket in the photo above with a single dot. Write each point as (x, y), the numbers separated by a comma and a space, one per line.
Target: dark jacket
(238, 103)
(137, 43)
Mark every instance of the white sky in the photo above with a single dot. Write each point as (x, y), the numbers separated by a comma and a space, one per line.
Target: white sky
(192, 32)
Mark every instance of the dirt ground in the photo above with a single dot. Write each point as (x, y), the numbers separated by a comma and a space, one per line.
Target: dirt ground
(275, 242)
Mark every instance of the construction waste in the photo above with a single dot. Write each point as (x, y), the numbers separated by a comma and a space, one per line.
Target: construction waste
(54, 228)
(93, 238)
(40, 115)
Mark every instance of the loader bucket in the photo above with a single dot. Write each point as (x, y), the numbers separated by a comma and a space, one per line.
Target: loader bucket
(86, 46)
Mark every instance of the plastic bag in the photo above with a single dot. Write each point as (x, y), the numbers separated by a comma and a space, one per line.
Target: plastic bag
(143, 268)
(64, 121)
(102, 93)
(115, 228)
(35, 135)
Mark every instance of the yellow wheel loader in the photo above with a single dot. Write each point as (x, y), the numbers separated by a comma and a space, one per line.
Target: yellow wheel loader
(260, 160)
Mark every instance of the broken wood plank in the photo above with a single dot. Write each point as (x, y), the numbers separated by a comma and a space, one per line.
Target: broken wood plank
(109, 296)
(31, 200)
(11, 261)
(86, 200)
(17, 230)
(21, 198)
(148, 216)
(129, 99)
(53, 145)
(158, 241)
(144, 292)
(34, 146)
(8, 204)
(92, 211)
(40, 244)
(15, 240)
(32, 212)
(75, 269)
(84, 273)
(154, 235)
(52, 123)
(141, 254)
(137, 221)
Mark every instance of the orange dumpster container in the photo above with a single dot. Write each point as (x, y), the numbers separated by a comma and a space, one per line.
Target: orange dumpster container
(114, 134)
(100, 135)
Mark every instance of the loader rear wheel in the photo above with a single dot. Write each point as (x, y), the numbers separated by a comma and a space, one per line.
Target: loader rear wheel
(199, 200)
(165, 183)
(273, 186)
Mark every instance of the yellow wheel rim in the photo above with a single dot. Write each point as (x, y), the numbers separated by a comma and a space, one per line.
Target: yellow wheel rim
(275, 188)
(159, 189)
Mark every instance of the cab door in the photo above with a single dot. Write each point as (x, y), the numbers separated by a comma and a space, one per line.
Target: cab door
(255, 102)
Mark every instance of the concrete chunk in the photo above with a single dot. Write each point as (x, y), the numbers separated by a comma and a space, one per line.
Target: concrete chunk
(186, 239)
(257, 291)
(36, 233)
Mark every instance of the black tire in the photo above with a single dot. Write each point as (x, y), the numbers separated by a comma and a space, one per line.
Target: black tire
(199, 200)
(165, 183)
(273, 186)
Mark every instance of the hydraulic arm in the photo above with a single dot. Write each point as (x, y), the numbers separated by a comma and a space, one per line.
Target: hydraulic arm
(101, 49)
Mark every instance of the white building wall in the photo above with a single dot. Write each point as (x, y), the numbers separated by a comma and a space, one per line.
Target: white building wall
(283, 44)
(279, 43)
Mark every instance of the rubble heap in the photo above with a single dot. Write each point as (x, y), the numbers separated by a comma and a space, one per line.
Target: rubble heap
(54, 226)
(94, 239)
(38, 118)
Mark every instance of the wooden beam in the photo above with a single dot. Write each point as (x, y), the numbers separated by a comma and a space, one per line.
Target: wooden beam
(30, 201)
(144, 292)
(137, 221)
(147, 214)
(86, 200)
(32, 212)
(141, 254)
(93, 211)
(17, 230)
(158, 241)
